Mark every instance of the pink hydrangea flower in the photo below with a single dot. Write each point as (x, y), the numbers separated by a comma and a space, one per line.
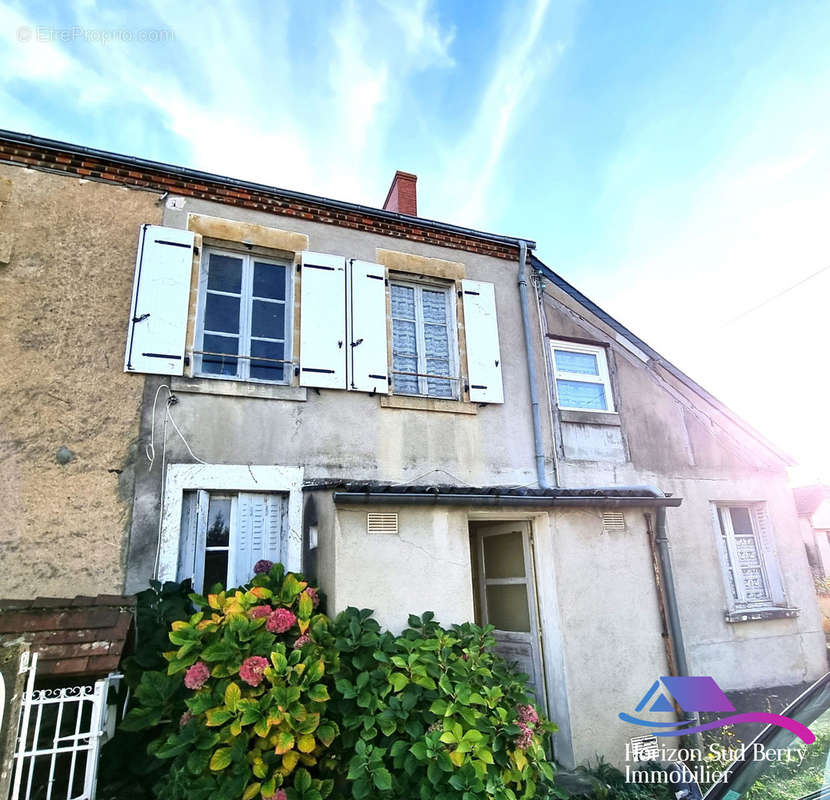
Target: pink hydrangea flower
(252, 670)
(196, 676)
(524, 739)
(527, 714)
(301, 640)
(278, 795)
(263, 565)
(259, 611)
(185, 718)
(280, 620)
(315, 597)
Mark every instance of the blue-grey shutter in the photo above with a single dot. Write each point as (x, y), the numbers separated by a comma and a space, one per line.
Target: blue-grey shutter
(766, 538)
(481, 331)
(258, 534)
(323, 321)
(161, 294)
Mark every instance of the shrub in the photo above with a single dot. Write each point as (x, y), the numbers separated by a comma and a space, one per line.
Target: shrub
(434, 713)
(255, 663)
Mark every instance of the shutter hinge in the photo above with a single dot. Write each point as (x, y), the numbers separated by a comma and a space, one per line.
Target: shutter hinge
(141, 318)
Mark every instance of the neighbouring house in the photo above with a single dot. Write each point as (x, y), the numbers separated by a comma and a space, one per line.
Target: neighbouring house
(813, 506)
(422, 416)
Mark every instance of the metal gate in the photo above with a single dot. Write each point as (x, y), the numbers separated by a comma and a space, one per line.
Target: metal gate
(60, 733)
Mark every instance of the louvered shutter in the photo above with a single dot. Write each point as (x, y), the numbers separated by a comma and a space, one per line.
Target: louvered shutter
(770, 556)
(368, 356)
(200, 507)
(323, 321)
(482, 338)
(187, 538)
(258, 536)
(161, 292)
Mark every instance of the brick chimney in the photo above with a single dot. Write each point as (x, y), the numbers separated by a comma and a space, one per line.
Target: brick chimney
(402, 197)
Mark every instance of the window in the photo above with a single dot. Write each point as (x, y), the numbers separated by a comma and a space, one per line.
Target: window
(580, 372)
(223, 534)
(749, 562)
(423, 340)
(244, 318)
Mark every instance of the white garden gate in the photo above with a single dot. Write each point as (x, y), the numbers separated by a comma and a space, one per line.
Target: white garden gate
(60, 733)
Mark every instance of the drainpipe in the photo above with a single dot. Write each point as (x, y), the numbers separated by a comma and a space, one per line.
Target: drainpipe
(539, 450)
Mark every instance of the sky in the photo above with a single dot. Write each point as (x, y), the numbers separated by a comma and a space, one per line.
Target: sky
(672, 160)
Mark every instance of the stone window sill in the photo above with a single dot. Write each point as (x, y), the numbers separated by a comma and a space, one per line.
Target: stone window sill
(239, 389)
(756, 614)
(590, 417)
(428, 404)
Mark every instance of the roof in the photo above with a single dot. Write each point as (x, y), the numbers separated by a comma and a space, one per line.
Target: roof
(809, 498)
(88, 162)
(346, 491)
(79, 637)
(677, 373)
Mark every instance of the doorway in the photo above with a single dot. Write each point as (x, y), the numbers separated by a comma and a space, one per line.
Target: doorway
(505, 595)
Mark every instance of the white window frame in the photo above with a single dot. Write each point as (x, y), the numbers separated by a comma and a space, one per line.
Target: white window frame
(230, 479)
(245, 315)
(452, 332)
(729, 557)
(603, 379)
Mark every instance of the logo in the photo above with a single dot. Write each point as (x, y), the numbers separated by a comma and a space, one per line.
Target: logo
(701, 693)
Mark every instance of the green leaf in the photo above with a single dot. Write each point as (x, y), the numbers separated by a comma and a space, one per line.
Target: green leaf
(382, 779)
(305, 607)
(302, 780)
(318, 693)
(439, 707)
(233, 694)
(419, 750)
(217, 716)
(220, 759)
(399, 681)
(326, 734)
(285, 741)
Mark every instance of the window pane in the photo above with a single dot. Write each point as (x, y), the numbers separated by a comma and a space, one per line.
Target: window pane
(216, 569)
(404, 340)
(504, 556)
(269, 280)
(507, 607)
(221, 313)
(225, 273)
(437, 341)
(268, 319)
(219, 522)
(581, 363)
(435, 386)
(219, 364)
(741, 521)
(403, 301)
(265, 370)
(408, 384)
(435, 306)
(575, 394)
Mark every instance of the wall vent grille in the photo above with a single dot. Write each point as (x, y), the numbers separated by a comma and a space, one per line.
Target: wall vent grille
(381, 523)
(613, 521)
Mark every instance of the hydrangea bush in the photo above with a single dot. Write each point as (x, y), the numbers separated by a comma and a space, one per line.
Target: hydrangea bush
(257, 664)
(264, 698)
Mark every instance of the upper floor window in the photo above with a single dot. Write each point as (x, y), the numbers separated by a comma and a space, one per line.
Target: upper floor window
(580, 373)
(244, 318)
(424, 349)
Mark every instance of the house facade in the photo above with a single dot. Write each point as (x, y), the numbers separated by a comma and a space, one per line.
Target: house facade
(424, 417)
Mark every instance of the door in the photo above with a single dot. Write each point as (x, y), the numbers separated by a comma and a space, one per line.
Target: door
(506, 593)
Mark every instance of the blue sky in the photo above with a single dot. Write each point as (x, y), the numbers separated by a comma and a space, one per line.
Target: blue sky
(670, 159)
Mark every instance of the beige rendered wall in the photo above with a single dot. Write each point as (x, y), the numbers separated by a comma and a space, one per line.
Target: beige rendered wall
(67, 251)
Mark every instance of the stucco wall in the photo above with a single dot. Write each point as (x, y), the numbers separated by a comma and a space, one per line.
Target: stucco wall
(339, 433)
(64, 301)
(684, 446)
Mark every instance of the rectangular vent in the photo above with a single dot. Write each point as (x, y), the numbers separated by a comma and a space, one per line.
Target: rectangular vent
(381, 523)
(613, 521)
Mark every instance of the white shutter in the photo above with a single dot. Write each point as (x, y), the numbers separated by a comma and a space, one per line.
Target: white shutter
(187, 538)
(258, 534)
(323, 321)
(482, 337)
(368, 357)
(161, 293)
(770, 556)
(200, 507)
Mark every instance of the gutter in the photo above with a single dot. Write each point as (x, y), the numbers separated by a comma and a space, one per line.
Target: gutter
(57, 146)
(436, 498)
